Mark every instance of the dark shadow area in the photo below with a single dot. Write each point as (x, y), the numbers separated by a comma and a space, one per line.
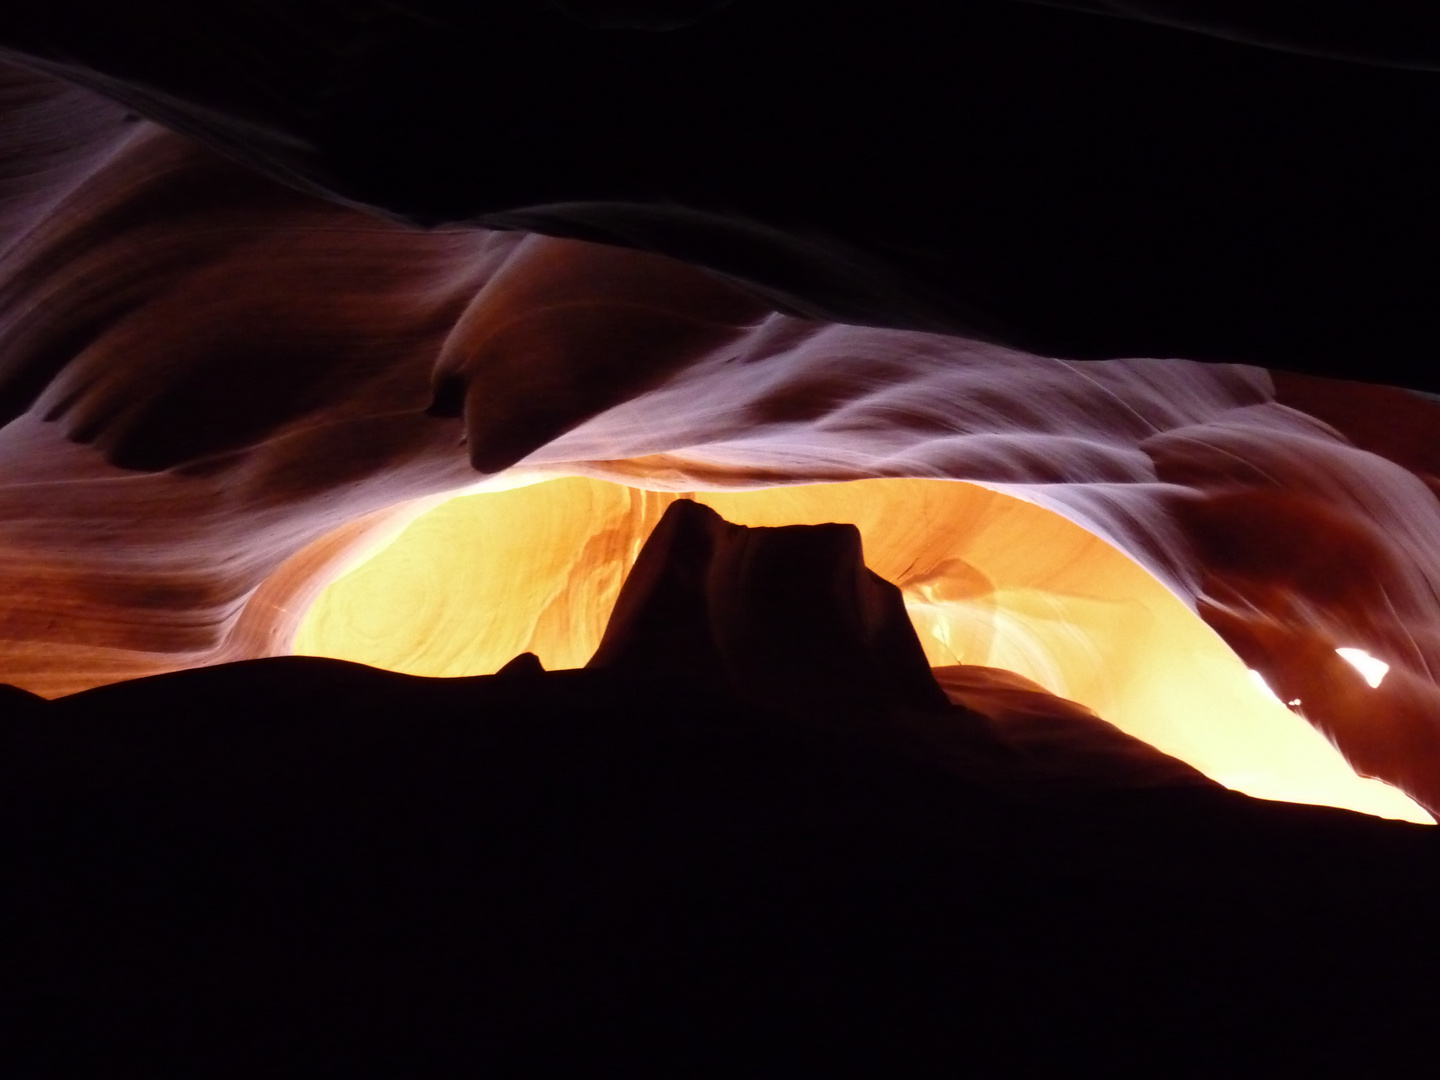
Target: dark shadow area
(308, 867)
(1064, 181)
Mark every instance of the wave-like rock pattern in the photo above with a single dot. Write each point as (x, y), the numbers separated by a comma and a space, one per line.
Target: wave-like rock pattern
(1064, 181)
(215, 387)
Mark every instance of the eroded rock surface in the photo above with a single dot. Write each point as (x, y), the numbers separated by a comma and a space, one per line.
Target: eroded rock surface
(272, 275)
(219, 387)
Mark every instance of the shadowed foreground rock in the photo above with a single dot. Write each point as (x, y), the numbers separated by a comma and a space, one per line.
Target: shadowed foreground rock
(787, 616)
(308, 867)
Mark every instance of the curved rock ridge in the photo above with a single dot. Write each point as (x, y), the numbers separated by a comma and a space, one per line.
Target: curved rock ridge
(1061, 743)
(1063, 182)
(216, 387)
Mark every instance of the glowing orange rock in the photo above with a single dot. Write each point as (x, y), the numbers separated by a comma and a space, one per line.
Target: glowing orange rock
(989, 581)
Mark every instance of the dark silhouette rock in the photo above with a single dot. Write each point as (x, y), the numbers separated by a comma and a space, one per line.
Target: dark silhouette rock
(786, 617)
(15, 702)
(299, 866)
(525, 666)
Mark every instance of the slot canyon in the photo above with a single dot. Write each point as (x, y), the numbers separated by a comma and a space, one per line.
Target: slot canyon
(685, 538)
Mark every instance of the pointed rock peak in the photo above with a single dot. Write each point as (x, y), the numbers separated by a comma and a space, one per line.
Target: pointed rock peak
(524, 666)
(784, 616)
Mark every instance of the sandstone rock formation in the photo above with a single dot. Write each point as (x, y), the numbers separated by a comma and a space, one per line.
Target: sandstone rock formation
(218, 386)
(277, 277)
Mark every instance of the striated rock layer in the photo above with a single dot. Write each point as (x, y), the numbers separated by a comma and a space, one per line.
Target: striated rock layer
(873, 264)
(1212, 179)
(216, 388)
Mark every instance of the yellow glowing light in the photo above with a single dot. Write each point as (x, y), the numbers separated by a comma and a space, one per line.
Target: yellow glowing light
(1261, 684)
(1371, 669)
(989, 579)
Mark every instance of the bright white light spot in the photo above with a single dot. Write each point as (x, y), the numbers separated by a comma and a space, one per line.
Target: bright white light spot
(1259, 680)
(1371, 670)
(1293, 701)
